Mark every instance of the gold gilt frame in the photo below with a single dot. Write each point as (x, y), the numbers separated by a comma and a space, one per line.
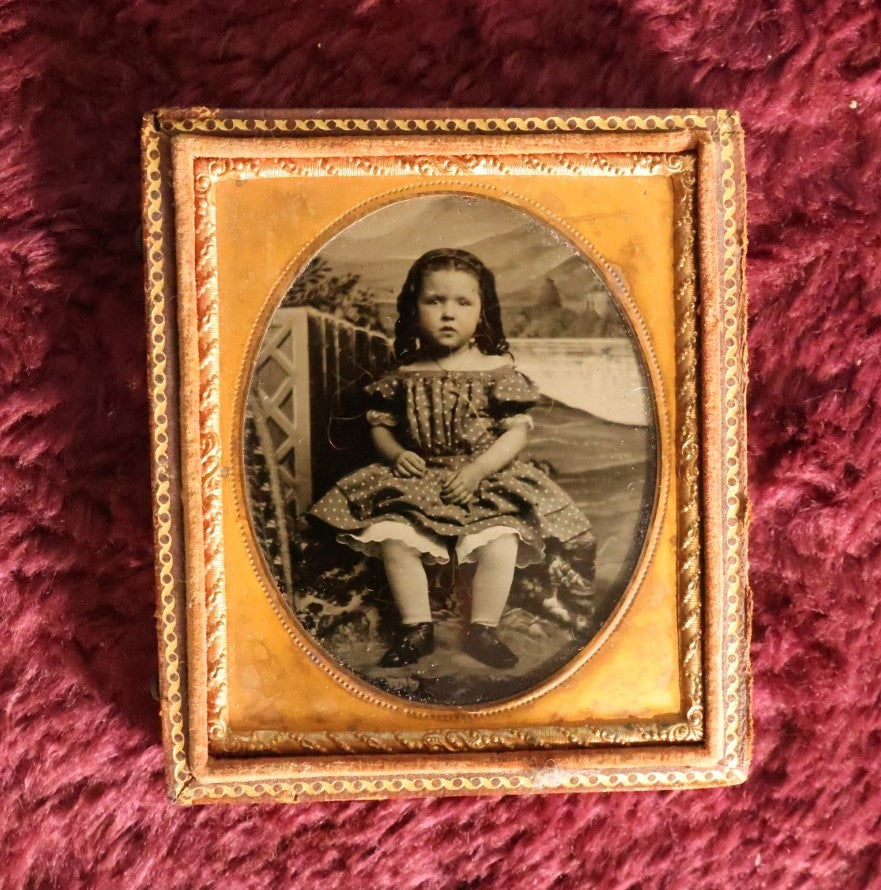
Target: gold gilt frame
(202, 341)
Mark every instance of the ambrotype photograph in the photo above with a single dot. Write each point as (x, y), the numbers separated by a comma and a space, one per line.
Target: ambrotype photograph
(450, 449)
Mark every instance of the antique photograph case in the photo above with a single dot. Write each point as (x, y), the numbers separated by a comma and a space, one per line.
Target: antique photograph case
(448, 451)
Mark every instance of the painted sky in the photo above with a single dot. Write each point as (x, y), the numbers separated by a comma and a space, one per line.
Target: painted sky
(521, 250)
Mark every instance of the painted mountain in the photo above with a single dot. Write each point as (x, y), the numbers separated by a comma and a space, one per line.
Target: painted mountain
(546, 289)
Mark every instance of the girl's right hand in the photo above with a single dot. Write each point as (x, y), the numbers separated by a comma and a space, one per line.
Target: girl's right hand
(409, 463)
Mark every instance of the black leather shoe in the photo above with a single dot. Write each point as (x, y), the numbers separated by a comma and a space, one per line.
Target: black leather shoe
(414, 641)
(483, 643)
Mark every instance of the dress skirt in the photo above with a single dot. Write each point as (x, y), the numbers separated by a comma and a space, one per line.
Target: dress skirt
(449, 418)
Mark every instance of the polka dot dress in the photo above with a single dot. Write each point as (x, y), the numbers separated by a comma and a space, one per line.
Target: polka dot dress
(450, 417)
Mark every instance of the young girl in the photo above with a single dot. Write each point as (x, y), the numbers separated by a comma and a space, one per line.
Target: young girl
(448, 426)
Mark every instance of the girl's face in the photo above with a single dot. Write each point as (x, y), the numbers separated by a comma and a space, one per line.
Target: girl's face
(448, 308)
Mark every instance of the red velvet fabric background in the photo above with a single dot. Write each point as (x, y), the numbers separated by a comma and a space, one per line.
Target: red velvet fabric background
(81, 785)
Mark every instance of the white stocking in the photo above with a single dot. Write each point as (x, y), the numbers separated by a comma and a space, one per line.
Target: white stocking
(492, 580)
(408, 581)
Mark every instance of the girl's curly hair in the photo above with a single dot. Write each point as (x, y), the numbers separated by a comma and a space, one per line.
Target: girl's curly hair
(489, 336)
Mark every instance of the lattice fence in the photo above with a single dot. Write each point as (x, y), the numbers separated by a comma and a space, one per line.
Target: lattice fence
(307, 408)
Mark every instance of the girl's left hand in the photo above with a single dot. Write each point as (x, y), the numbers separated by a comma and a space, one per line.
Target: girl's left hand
(460, 485)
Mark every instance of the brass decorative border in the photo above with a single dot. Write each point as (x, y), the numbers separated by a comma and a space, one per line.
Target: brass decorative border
(723, 130)
(216, 121)
(547, 164)
(549, 779)
(544, 738)
(211, 450)
(688, 449)
(170, 611)
(737, 609)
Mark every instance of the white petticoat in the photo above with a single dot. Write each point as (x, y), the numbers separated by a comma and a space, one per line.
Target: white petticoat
(430, 547)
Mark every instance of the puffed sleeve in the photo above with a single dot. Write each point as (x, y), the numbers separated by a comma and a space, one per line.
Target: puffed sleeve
(511, 396)
(382, 402)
